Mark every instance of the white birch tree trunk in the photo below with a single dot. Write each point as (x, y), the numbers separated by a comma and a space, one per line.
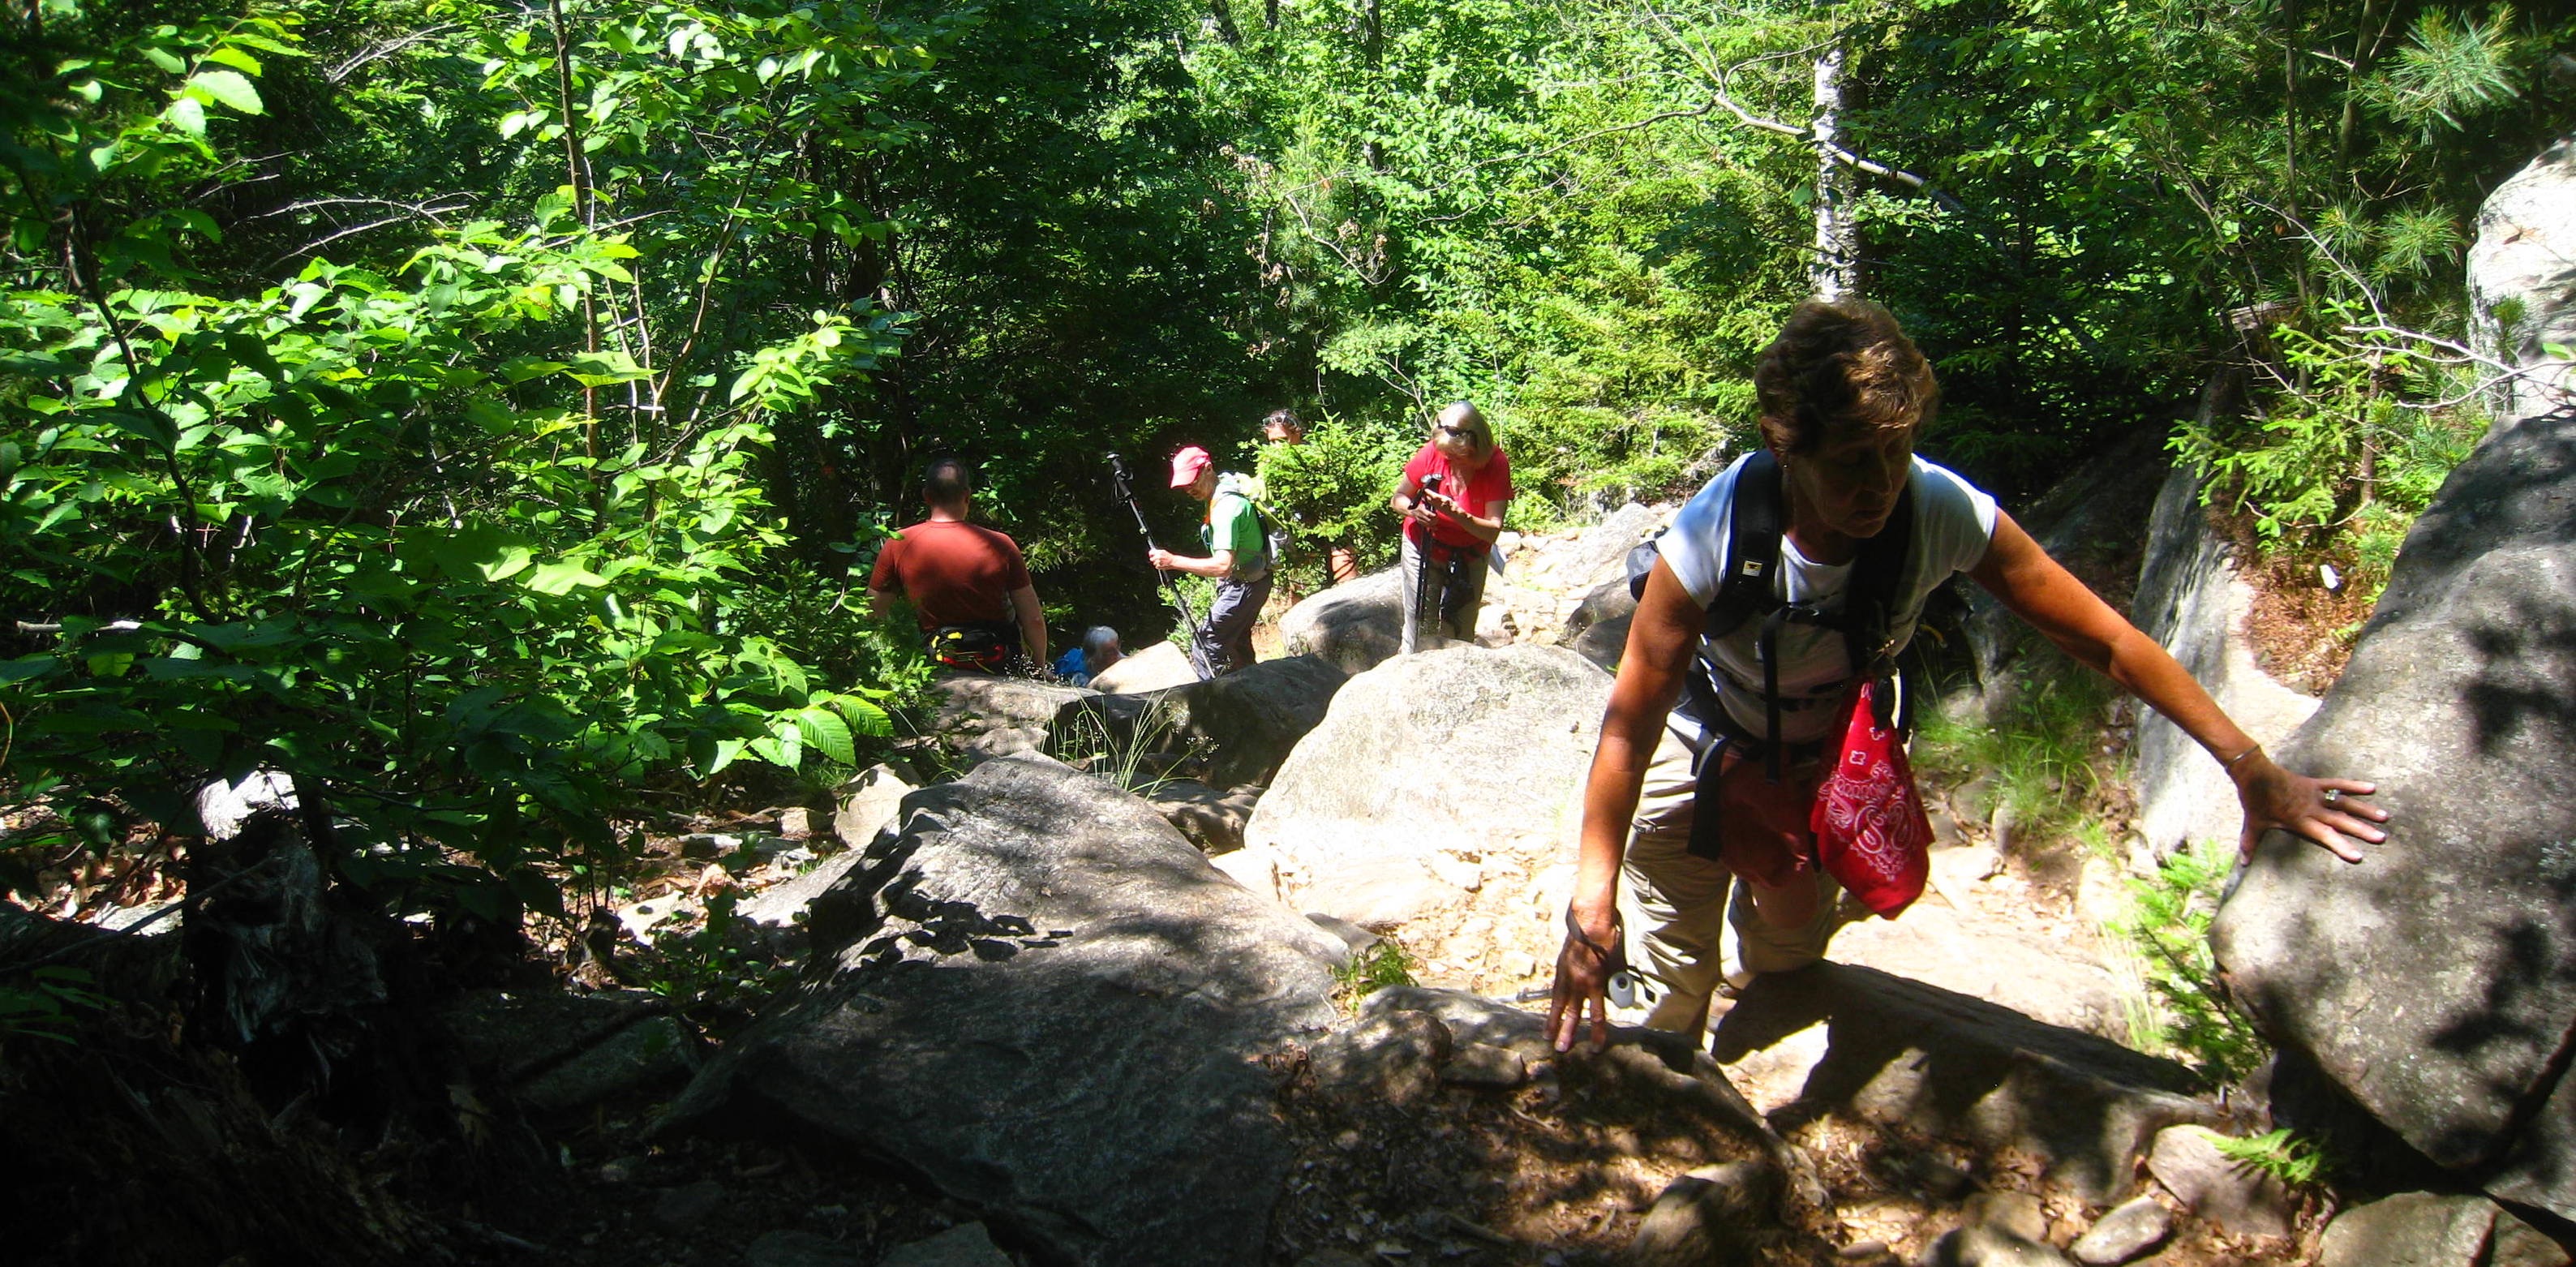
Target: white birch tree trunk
(1834, 271)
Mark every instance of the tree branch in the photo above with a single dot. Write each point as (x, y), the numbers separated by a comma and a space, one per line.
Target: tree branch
(381, 51)
(1569, 143)
(1718, 77)
(1718, 94)
(1366, 275)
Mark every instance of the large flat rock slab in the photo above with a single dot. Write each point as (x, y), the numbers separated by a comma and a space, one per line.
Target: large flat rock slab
(1043, 1001)
(2001, 962)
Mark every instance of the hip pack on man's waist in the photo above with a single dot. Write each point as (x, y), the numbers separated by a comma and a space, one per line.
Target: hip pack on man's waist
(982, 646)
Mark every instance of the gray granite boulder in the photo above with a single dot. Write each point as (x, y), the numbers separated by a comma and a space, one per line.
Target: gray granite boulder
(1043, 1001)
(1598, 629)
(2126, 1233)
(2435, 983)
(2522, 276)
(1247, 721)
(984, 717)
(2426, 1229)
(1355, 625)
(2239, 1198)
(2411, 1229)
(1152, 668)
(868, 802)
(1431, 773)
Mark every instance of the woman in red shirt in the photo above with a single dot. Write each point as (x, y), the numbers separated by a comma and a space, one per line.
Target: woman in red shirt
(1452, 497)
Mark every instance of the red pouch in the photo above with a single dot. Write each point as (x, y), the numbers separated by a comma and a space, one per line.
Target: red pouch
(1871, 832)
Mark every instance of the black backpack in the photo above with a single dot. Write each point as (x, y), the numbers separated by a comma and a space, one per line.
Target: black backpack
(1751, 590)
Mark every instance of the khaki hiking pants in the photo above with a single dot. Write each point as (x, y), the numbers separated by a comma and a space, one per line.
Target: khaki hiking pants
(1678, 908)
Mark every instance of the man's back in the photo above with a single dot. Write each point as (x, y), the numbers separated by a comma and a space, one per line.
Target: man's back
(953, 573)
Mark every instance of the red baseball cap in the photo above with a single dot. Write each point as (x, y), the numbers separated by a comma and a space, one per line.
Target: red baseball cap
(1187, 464)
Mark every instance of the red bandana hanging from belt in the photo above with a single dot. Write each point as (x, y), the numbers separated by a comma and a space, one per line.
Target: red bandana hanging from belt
(1871, 832)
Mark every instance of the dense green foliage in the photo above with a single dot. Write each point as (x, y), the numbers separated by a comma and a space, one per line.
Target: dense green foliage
(478, 408)
(433, 532)
(1333, 490)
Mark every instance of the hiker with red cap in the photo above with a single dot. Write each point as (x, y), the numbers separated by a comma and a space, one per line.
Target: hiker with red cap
(1238, 560)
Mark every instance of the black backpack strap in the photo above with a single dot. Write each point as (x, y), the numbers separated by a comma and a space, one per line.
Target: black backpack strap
(1869, 611)
(1748, 582)
(1756, 518)
(1754, 521)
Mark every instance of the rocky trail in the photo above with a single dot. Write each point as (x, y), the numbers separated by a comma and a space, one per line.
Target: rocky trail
(1027, 1015)
(1250, 971)
(1953, 1083)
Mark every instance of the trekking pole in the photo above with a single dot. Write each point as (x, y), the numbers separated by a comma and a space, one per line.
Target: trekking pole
(1428, 554)
(1171, 584)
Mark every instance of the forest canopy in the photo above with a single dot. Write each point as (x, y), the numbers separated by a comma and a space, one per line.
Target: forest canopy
(477, 409)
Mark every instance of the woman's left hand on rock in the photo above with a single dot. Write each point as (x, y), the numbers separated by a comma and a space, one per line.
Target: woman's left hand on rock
(2322, 810)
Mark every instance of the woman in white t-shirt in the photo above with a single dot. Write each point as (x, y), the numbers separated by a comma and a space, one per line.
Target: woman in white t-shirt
(1842, 393)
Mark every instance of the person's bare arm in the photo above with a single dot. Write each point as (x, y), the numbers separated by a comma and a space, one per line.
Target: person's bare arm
(881, 603)
(1215, 567)
(1482, 528)
(1024, 604)
(2040, 590)
(1661, 638)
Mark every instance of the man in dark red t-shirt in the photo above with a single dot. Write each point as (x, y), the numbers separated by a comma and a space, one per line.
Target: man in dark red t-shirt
(967, 584)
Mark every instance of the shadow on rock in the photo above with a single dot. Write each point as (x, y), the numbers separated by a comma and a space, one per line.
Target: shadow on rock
(1035, 996)
(1900, 1052)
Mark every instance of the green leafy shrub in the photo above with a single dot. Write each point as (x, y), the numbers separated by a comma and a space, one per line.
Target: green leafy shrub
(711, 969)
(1333, 490)
(2342, 463)
(1384, 964)
(431, 532)
(2188, 1013)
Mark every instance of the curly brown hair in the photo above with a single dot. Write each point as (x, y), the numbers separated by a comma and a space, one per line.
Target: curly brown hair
(1839, 365)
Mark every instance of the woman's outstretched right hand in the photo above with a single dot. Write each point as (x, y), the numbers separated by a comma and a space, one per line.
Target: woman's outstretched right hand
(1583, 969)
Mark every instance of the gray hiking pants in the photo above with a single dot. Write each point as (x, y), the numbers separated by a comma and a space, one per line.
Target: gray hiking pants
(1225, 640)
